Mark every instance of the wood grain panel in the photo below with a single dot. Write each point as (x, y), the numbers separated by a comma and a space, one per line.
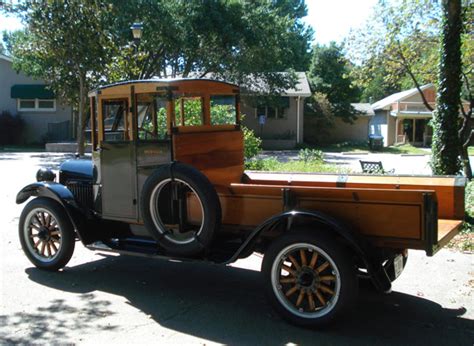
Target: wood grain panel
(450, 197)
(219, 155)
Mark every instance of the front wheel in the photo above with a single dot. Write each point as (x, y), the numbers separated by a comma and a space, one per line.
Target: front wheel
(46, 234)
(309, 278)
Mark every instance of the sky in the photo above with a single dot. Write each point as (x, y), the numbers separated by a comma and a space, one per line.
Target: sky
(330, 19)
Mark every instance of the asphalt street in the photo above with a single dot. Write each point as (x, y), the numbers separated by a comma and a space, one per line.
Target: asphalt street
(101, 298)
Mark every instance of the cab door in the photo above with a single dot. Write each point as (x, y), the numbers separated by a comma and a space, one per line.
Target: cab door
(153, 145)
(117, 162)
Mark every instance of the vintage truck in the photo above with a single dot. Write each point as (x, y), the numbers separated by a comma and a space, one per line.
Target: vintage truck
(167, 180)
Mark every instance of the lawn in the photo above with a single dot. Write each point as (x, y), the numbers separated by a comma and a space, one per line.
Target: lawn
(22, 148)
(272, 164)
(359, 147)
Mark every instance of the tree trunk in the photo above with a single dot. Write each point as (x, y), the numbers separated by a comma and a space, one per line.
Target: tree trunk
(81, 120)
(446, 142)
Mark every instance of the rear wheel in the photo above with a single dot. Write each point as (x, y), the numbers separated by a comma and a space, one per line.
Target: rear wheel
(46, 234)
(309, 278)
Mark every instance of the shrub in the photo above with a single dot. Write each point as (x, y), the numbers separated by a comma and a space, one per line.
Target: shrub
(310, 155)
(11, 128)
(252, 144)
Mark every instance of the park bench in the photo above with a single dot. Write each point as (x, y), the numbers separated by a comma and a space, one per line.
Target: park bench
(374, 167)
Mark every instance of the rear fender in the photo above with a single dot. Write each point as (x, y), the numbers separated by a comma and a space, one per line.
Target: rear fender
(63, 196)
(359, 245)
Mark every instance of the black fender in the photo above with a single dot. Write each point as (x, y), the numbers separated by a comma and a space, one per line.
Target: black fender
(358, 244)
(64, 197)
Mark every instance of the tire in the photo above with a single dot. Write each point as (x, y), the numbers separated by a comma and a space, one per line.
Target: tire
(300, 296)
(174, 233)
(47, 236)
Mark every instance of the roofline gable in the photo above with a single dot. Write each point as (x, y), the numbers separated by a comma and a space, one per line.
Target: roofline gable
(6, 58)
(387, 101)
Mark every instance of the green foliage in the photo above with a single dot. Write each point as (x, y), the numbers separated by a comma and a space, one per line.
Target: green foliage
(310, 155)
(445, 146)
(252, 144)
(396, 49)
(230, 39)
(11, 128)
(470, 200)
(273, 165)
(329, 76)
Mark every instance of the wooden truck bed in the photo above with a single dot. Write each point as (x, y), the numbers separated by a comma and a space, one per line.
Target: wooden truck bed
(392, 211)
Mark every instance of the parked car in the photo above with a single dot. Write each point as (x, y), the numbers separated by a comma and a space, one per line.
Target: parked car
(167, 180)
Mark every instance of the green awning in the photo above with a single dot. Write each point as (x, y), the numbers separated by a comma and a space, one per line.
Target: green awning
(31, 91)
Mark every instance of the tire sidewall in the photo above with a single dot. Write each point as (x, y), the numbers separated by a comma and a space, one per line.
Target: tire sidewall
(342, 259)
(208, 198)
(67, 234)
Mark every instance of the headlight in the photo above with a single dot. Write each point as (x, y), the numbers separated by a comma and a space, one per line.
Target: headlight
(45, 174)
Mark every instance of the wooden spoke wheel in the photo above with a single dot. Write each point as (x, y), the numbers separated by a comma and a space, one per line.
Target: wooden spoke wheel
(309, 279)
(46, 234)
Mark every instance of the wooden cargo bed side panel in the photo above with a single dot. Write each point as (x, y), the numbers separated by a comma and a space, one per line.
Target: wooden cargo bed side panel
(380, 213)
(449, 190)
(219, 155)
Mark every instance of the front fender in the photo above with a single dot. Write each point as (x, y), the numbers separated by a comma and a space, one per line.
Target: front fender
(58, 192)
(358, 244)
(63, 196)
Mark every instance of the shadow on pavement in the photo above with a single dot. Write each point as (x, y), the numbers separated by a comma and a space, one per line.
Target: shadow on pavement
(227, 305)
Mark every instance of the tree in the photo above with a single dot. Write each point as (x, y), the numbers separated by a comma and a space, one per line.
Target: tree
(329, 77)
(66, 44)
(403, 38)
(445, 158)
(239, 41)
(75, 45)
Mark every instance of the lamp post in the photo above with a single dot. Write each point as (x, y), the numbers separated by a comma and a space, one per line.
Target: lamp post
(137, 30)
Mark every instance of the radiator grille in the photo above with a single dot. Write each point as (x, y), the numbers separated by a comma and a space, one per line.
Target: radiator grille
(82, 192)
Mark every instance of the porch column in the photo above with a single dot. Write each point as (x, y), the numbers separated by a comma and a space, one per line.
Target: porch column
(396, 130)
(298, 120)
(414, 131)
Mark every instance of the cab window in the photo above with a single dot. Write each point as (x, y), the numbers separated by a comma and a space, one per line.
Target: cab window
(114, 113)
(223, 110)
(151, 117)
(189, 111)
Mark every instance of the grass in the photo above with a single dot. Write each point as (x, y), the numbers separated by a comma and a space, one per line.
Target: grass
(22, 148)
(272, 164)
(470, 151)
(360, 147)
(464, 241)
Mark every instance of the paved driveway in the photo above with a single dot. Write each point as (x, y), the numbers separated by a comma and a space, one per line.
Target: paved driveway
(109, 299)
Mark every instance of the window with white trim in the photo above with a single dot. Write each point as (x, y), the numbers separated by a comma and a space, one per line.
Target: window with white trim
(36, 105)
(271, 112)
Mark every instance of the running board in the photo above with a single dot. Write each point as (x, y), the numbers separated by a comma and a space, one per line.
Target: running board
(101, 247)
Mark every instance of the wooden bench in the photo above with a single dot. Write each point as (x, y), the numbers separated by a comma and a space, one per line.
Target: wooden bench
(374, 167)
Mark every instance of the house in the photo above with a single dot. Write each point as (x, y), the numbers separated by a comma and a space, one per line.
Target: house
(404, 118)
(45, 117)
(282, 126)
(338, 130)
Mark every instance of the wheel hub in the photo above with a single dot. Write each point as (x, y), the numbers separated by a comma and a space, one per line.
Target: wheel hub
(43, 233)
(306, 278)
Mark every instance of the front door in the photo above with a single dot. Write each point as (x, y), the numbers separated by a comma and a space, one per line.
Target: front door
(153, 146)
(117, 163)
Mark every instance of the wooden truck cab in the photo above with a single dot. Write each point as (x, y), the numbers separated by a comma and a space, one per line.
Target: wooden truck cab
(167, 180)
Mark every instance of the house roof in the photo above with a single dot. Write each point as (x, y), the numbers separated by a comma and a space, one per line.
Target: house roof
(6, 58)
(364, 108)
(301, 88)
(386, 102)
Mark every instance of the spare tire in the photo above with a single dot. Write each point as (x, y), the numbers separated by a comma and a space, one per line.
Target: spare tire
(165, 197)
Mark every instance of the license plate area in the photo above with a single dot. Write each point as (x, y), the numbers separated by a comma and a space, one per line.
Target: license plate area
(398, 265)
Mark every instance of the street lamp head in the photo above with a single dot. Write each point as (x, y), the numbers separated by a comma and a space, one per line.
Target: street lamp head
(137, 29)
